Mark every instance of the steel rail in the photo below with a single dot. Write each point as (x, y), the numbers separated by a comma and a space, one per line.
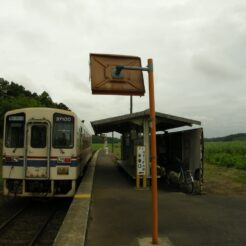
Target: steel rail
(7, 222)
(41, 229)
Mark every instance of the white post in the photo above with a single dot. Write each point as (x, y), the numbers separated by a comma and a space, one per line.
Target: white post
(106, 144)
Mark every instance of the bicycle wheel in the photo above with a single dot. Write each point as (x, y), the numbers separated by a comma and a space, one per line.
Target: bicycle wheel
(189, 187)
(185, 185)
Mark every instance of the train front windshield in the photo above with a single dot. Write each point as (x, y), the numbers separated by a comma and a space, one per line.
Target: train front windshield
(15, 128)
(63, 131)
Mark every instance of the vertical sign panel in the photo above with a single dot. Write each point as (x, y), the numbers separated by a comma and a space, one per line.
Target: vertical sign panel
(141, 168)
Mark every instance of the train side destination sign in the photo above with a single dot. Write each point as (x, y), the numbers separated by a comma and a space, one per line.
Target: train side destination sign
(105, 79)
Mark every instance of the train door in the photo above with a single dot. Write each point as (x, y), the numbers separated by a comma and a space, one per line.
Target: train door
(37, 156)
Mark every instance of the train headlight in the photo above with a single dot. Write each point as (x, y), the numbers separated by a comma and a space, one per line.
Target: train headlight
(62, 159)
(11, 159)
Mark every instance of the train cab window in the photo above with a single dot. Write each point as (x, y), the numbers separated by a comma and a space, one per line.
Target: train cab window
(15, 127)
(63, 131)
(38, 136)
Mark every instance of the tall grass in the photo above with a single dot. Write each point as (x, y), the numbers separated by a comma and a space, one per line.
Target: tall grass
(228, 154)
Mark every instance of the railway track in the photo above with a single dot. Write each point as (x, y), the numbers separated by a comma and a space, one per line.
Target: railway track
(33, 223)
(8, 221)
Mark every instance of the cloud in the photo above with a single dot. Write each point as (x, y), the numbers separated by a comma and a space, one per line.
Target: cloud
(198, 49)
(216, 69)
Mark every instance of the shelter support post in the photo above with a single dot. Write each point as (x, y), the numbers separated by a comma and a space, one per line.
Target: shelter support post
(113, 142)
(138, 182)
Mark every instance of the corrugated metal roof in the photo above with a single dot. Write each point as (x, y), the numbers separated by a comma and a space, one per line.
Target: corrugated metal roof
(131, 121)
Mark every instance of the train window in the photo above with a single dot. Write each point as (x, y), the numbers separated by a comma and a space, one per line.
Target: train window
(15, 125)
(38, 136)
(63, 131)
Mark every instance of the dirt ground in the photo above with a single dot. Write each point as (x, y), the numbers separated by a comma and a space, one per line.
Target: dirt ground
(224, 181)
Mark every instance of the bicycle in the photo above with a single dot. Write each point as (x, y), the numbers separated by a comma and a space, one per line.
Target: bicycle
(185, 179)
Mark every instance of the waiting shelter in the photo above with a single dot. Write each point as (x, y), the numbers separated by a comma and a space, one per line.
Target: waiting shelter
(175, 144)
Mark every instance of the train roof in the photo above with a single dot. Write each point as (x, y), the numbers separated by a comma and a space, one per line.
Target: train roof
(40, 109)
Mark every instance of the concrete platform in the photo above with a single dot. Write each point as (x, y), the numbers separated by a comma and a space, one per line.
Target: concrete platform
(113, 212)
(121, 215)
(74, 227)
(129, 169)
(147, 241)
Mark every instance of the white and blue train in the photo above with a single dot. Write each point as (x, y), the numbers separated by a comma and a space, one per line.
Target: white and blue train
(45, 151)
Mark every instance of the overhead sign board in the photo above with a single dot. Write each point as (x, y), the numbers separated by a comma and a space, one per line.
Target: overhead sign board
(104, 79)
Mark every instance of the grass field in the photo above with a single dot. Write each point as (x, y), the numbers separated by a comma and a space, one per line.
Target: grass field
(227, 154)
(225, 167)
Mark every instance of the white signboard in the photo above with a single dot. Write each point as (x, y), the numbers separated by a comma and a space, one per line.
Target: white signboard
(141, 169)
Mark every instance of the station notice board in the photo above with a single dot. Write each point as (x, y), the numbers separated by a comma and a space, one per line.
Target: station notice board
(141, 168)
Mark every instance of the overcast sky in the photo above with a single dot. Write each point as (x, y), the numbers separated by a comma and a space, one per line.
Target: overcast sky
(198, 48)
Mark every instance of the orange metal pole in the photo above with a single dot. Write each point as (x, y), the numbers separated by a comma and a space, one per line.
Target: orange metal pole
(153, 154)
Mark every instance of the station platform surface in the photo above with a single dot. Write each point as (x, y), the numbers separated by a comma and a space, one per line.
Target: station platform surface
(121, 215)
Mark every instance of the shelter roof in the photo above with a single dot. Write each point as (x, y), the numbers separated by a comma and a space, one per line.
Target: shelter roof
(127, 122)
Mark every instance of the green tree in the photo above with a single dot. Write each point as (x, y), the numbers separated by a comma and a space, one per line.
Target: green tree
(15, 96)
(3, 87)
